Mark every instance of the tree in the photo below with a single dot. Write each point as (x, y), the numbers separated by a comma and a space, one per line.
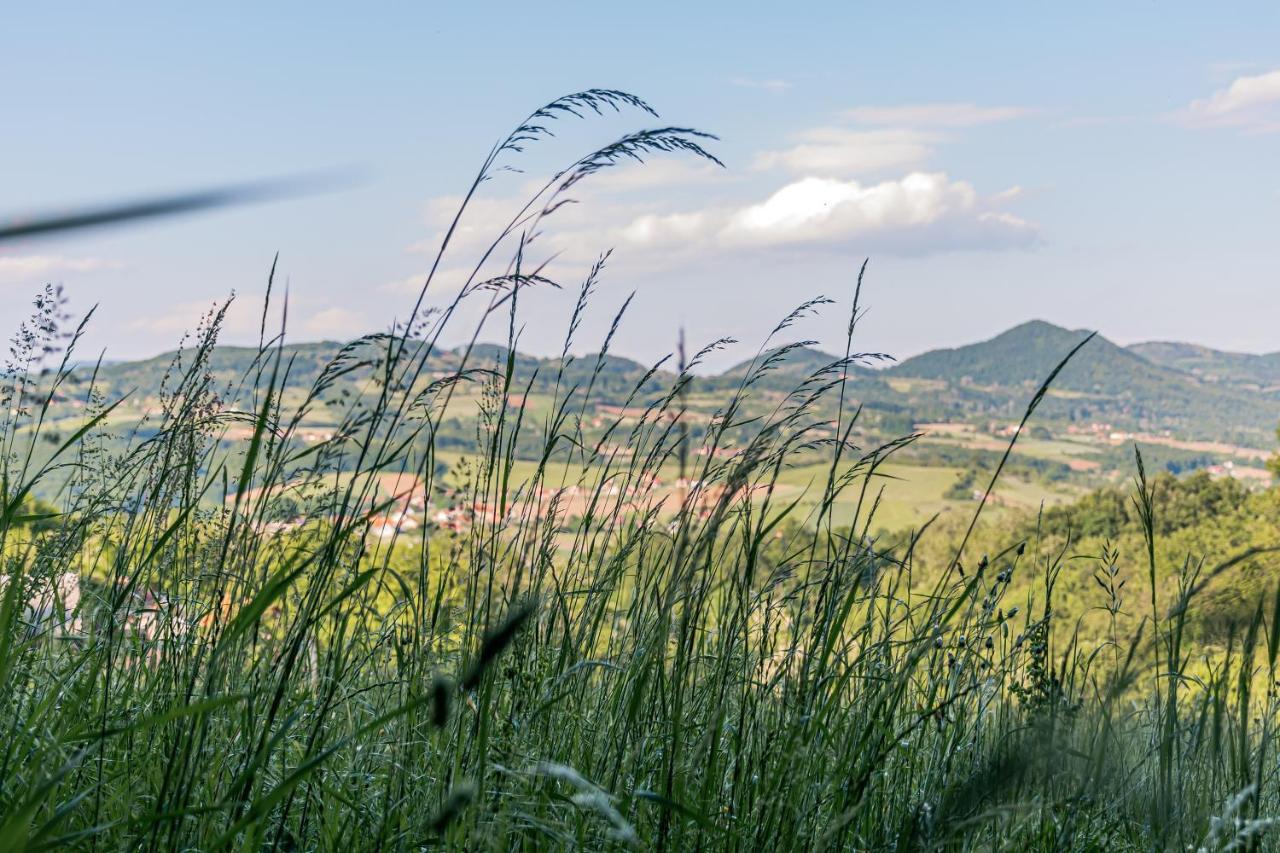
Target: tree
(1273, 464)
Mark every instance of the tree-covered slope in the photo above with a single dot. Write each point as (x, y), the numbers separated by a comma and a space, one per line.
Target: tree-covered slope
(1103, 382)
(1025, 354)
(992, 379)
(1259, 372)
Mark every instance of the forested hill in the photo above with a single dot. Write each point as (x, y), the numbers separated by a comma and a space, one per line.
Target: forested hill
(1190, 391)
(1103, 383)
(1246, 370)
(1026, 354)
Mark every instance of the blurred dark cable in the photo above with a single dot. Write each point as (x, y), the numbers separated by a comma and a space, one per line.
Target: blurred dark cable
(171, 205)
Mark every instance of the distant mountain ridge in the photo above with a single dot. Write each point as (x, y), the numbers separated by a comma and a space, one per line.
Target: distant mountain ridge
(1183, 388)
(1189, 390)
(796, 363)
(1027, 353)
(1110, 382)
(1234, 368)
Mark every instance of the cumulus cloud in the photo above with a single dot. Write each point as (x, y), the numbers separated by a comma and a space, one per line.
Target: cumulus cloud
(917, 214)
(838, 151)
(1251, 102)
(625, 190)
(574, 235)
(865, 190)
(25, 268)
(960, 114)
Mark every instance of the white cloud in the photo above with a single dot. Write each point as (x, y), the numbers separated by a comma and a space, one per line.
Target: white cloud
(1252, 102)
(410, 285)
(575, 234)
(242, 323)
(669, 227)
(775, 86)
(1009, 194)
(243, 319)
(622, 188)
(338, 323)
(24, 268)
(837, 151)
(839, 194)
(920, 213)
(917, 214)
(936, 115)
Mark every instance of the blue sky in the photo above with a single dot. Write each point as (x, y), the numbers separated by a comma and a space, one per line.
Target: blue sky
(1108, 166)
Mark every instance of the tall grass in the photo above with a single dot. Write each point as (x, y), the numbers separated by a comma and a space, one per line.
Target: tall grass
(705, 672)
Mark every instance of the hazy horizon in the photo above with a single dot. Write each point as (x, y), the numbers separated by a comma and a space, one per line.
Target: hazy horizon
(731, 356)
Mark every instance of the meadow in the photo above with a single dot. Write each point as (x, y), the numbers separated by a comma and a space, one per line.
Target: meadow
(739, 660)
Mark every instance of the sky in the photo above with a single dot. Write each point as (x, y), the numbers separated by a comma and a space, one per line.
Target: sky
(1098, 165)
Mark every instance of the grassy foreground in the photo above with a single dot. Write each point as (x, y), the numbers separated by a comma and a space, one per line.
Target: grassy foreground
(721, 673)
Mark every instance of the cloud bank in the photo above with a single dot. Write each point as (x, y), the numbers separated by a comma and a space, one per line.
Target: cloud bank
(962, 114)
(920, 213)
(843, 152)
(860, 190)
(1251, 102)
(18, 269)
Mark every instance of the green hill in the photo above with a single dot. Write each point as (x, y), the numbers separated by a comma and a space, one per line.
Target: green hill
(796, 362)
(786, 367)
(225, 363)
(1025, 354)
(1190, 391)
(1246, 370)
(1104, 382)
